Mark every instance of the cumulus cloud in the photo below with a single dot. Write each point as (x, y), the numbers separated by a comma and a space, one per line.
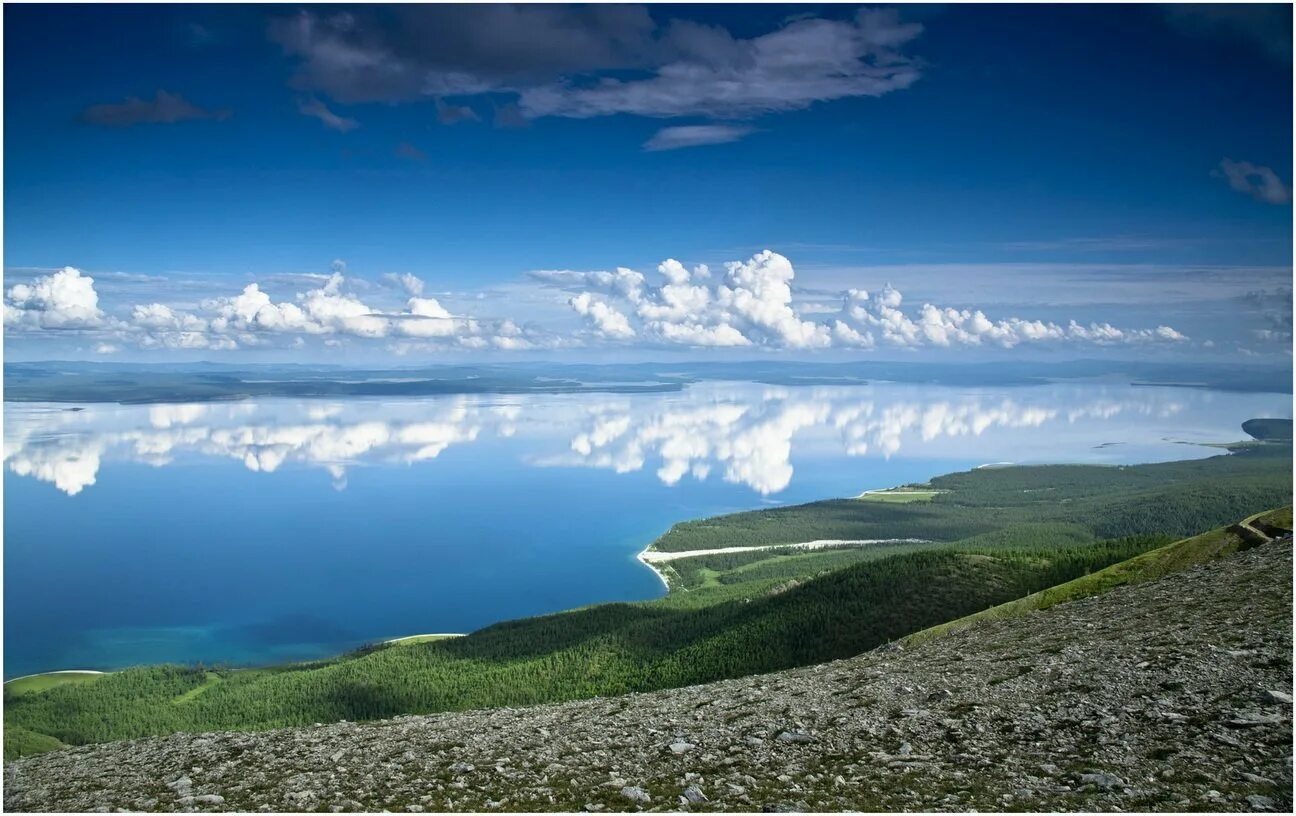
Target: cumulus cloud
(158, 326)
(607, 321)
(164, 108)
(326, 310)
(332, 312)
(674, 138)
(1256, 180)
(587, 61)
(65, 299)
(752, 305)
(316, 109)
(746, 304)
(412, 284)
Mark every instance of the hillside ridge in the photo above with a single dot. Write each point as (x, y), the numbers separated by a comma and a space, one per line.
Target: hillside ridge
(1168, 694)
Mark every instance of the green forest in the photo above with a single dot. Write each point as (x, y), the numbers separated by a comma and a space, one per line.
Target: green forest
(997, 535)
(1026, 503)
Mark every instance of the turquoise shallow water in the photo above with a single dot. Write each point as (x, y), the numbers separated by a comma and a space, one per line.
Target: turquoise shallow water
(280, 530)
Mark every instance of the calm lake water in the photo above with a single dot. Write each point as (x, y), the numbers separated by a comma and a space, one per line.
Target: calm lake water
(253, 532)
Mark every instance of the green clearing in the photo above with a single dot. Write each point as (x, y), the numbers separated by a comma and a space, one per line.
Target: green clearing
(410, 640)
(898, 496)
(209, 679)
(1005, 534)
(41, 682)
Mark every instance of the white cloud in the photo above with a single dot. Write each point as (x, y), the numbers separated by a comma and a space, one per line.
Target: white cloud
(715, 74)
(314, 108)
(1256, 180)
(412, 284)
(752, 305)
(65, 299)
(607, 321)
(674, 138)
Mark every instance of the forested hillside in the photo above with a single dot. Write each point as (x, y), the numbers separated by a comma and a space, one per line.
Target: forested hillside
(1128, 701)
(1035, 503)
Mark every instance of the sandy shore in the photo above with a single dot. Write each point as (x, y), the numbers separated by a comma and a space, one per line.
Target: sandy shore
(656, 556)
(651, 558)
(647, 562)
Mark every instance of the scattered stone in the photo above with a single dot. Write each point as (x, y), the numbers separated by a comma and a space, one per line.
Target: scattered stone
(1256, 779)
(694, 795)
(1252, 719)
(636, 794)
(794, 736)
(1103, 780)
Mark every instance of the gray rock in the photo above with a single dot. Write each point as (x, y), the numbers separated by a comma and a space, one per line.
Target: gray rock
(1256, 779)
(694, 795)
(636, 794)
(1103, 780)
(1252, 719)
(1259, 802)
(681, 747)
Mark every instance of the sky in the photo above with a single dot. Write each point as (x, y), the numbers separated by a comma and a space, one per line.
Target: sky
(422, 184)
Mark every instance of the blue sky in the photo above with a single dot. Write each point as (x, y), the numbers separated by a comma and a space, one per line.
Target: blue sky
(1126, 168)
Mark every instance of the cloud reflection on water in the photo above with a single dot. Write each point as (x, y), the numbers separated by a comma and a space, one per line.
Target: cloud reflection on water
(745, 434)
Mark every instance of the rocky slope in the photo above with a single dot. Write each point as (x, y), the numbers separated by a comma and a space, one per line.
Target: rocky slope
(1170, 695)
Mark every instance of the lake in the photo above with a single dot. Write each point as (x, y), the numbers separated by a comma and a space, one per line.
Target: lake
(260, 531)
